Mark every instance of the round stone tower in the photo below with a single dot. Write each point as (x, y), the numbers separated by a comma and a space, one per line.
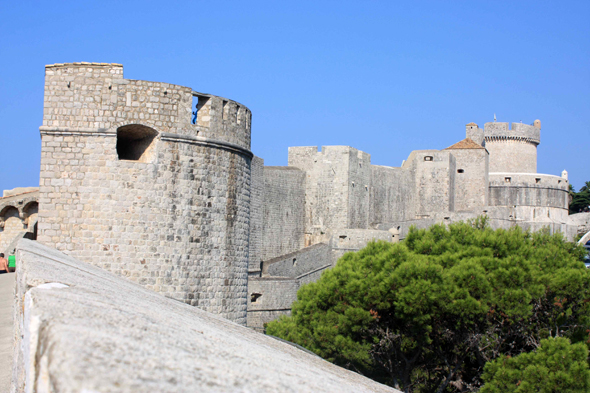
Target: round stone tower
(512, 150)
(150, 181)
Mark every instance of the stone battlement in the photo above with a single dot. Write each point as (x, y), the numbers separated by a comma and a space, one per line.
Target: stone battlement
(84, 64)
(494, 131)
(95, 98)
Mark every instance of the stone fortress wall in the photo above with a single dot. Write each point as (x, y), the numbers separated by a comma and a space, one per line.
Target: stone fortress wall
(130, 184)
(348, 198)
(133, 182)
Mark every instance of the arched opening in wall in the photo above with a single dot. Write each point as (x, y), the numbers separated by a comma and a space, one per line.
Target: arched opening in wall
(135, 142)
(30, 211)
(10, 220)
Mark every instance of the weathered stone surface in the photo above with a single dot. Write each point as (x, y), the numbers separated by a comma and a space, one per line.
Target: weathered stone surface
(6, 329)
(83, 329)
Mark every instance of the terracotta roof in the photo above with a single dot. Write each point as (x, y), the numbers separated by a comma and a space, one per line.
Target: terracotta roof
(472, 124)
(466, 143)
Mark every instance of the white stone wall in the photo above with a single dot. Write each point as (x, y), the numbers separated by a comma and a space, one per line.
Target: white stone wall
(269, 298)
(435, 181)
(531, 190)
(359, 185)
(512, 149)
(509, 155)
(471, 178)
(13, 226)
(392, 195)
(337, 188)
(256, 215)
(283, 211)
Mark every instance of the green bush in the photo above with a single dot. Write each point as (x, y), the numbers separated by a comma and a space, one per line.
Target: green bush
(556, 367)
(425, 315)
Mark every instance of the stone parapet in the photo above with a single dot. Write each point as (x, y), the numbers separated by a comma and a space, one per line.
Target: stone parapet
(95, 97)
(519, 131)
(82, 329)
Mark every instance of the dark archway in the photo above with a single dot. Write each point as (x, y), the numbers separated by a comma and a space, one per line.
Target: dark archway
(134, 142)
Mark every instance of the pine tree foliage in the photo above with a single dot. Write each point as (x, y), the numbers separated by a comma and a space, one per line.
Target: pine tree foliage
(580, 200)
(425, 315)
(556, 366)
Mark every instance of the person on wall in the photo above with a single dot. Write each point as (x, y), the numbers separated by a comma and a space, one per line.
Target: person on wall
(3, 264)
(11, 263)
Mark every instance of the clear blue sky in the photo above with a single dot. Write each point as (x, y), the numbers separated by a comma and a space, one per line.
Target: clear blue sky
(384, 77)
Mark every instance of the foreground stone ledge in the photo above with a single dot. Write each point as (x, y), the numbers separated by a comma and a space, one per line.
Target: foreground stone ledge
(82, 329)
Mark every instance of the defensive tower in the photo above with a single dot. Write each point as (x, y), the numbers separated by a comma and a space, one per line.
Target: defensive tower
(513, 149)
(136, 182)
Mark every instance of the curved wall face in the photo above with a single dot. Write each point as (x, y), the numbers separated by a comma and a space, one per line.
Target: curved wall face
(532, 197)
(511, 155)
(130, 185)
(512, 149)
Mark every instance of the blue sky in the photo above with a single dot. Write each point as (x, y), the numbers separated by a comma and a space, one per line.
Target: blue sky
(384, 77)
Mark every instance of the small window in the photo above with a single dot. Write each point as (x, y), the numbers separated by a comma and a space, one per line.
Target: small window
(428, 158)
(460, 170)
(135, 142)
(294, 261)
(507, 179)
(537, 180)
(238, 114)
(254, 297)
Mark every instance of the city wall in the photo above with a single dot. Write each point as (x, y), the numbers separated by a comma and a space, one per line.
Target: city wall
(284, 209)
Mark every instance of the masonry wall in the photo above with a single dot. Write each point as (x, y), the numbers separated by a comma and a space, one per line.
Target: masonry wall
(351, 240)
(471, 178)
(92, 96)
(301, 262)
(269, 298)
(507, 155)
(512, 149)
(359, 183)
(284, 209)
(435, 181)
(13, 226)
(337, 188)
(392, 195)
(176, 221)
(326, 186)
(510, 189)
(256, 215)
